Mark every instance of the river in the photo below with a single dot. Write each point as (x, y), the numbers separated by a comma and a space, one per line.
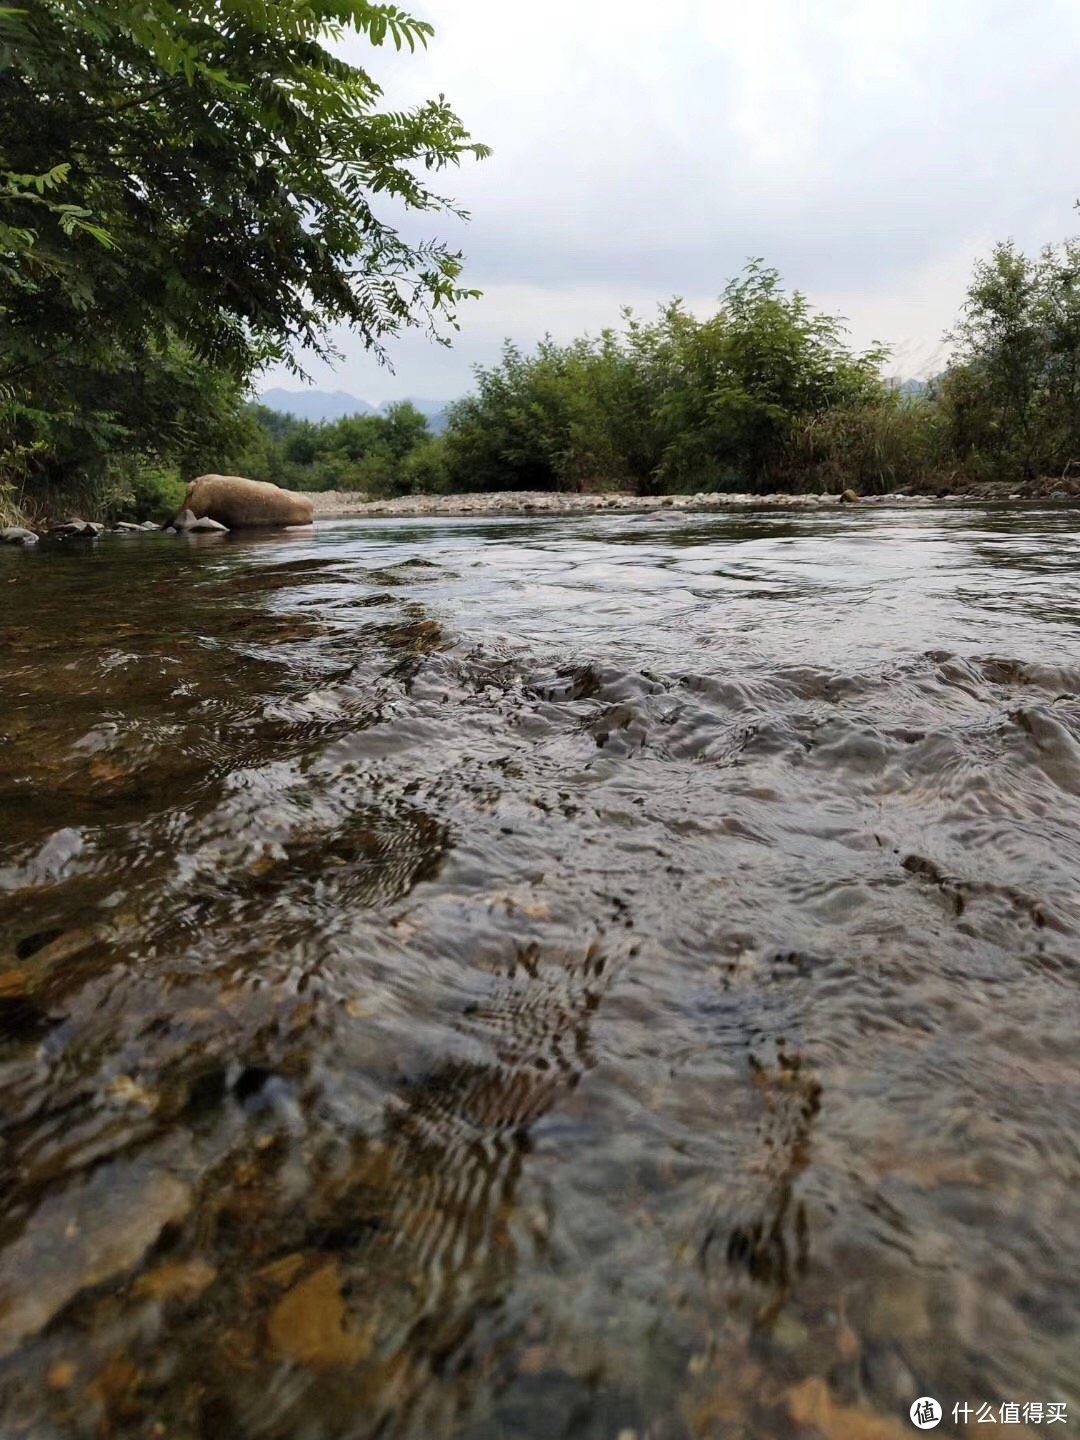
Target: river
(600, 977)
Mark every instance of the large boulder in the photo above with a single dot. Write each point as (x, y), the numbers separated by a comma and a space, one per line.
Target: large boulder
(241, 504)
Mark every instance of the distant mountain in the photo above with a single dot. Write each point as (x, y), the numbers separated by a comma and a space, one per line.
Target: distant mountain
(435, 410)
(910, 389)
(319, 405)
(315, 404)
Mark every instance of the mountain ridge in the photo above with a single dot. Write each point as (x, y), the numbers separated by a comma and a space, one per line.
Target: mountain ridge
(321, 405)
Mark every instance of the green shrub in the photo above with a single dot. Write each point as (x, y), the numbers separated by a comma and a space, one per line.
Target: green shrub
(868, 448)
(681, 404)
(147, 492)
(425, 470)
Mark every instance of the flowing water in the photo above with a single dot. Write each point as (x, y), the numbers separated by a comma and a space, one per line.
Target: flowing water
(597, 978)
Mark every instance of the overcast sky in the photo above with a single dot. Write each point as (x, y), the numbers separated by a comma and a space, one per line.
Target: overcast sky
(869, 149)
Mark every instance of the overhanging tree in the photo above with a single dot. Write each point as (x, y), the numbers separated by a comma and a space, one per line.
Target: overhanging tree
(207, 177)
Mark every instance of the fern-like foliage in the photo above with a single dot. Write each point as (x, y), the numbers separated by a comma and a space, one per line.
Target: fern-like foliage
(210, 175)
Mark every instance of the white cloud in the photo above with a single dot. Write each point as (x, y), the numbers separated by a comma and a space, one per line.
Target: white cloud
(868, 149)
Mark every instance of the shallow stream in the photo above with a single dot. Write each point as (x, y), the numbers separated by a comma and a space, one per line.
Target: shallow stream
(596, 977)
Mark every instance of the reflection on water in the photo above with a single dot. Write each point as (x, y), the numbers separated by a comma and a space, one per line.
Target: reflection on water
(552, 978)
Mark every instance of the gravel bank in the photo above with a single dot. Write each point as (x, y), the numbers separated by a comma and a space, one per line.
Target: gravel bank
(331, 504)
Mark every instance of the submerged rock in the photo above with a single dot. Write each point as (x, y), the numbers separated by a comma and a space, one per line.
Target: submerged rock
(812, 1407)
(81, 1238)
(308, 1325)
(175, 1280)
(205, 525)
(17, 535)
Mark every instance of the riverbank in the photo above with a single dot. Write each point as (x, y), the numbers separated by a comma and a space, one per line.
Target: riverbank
(335, 504)
(16, 528)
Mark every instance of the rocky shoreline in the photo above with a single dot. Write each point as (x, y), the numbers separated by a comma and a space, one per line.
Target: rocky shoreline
(344, 504)
(341, 504)
(76, 529)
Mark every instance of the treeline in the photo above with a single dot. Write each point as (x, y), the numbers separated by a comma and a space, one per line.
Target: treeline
(763, 395)
(186, 198)
(375, 455)
(766, 395)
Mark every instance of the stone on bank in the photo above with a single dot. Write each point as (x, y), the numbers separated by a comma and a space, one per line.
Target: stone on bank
(186, 523)
(84, 529)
